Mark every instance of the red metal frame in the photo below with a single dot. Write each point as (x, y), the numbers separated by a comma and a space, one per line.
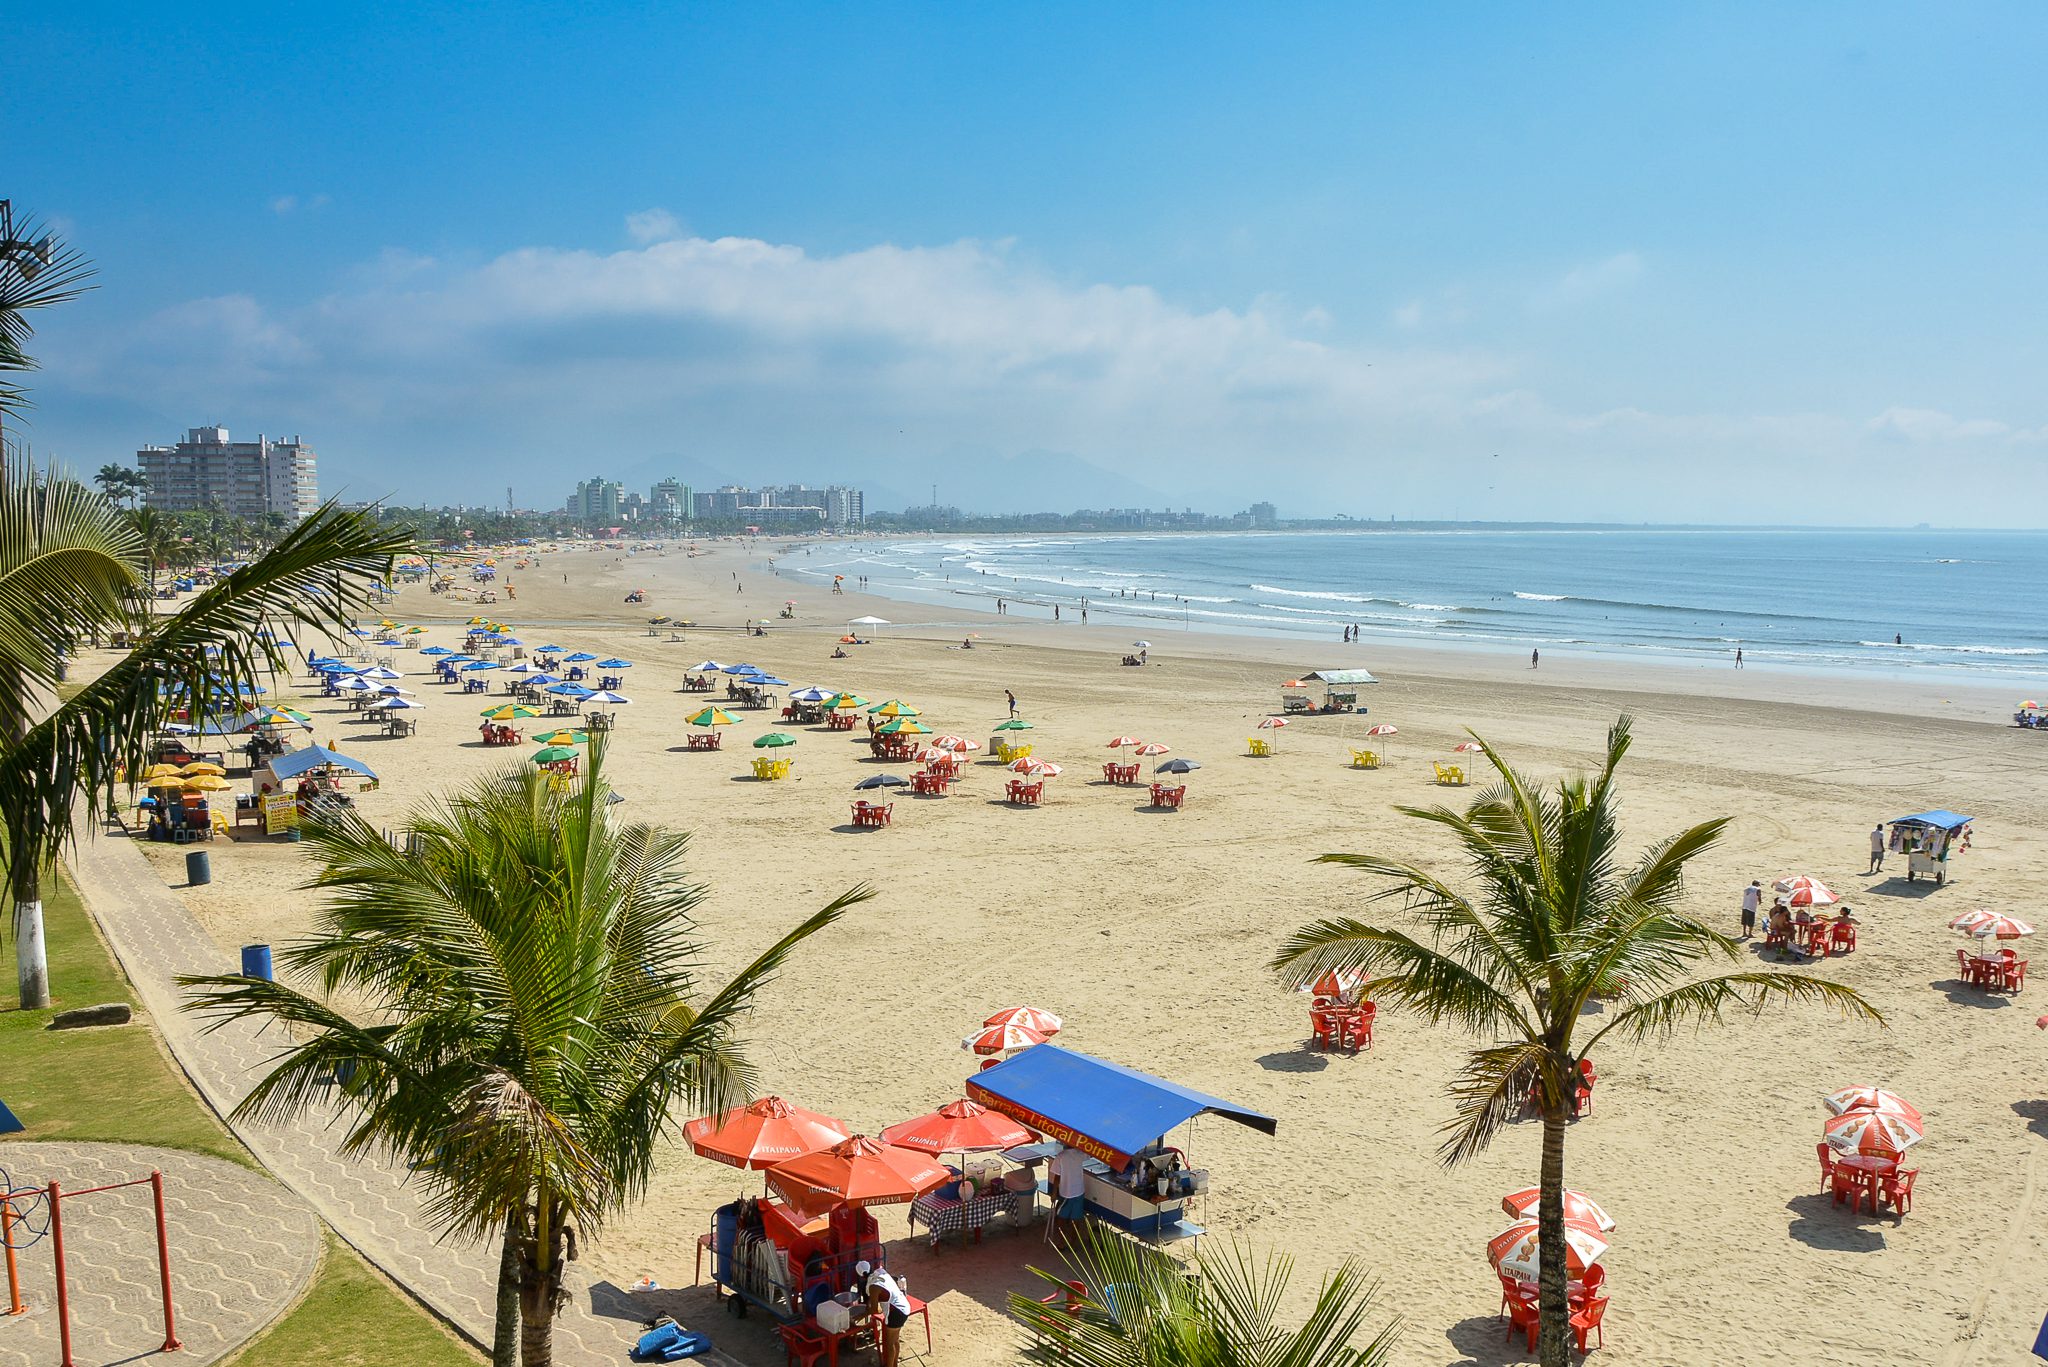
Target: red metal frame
(155, 1182)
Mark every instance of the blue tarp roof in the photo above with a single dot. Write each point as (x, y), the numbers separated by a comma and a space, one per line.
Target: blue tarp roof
(1099, 1107)
(293, 763)
(1943, 820)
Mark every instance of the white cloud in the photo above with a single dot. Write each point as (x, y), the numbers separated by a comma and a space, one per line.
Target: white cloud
(1933, 425)
(1593, 279)
(653, 225)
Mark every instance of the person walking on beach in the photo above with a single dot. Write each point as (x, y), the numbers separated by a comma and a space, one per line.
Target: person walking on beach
(1752, 900)
(1876, 849)
(1738, 657)
(1534, 659)
(1013, 703)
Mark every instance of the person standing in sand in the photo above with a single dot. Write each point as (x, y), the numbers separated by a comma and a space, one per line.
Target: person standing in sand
(1534, 658)
(1876, 849)
(1066, 1178)
(1752, 900)
(1013, 703)
(1738, 657)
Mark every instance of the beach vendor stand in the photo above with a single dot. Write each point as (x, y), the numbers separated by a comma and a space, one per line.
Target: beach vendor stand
(1929, 840)
(1118, 1117)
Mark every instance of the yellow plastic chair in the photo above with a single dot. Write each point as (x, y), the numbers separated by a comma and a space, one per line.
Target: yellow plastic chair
(1450, 775)
(1259, 747)
(764, 768)
(1365, 759)
(220, 825)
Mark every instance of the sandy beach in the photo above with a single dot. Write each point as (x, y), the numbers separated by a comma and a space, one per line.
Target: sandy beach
(1149, 931)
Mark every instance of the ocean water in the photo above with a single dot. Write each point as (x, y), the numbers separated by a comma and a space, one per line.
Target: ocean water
(1967, 602)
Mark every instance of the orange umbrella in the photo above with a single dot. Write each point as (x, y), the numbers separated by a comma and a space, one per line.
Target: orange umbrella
(958, 1127)
(762, 1134)
(855, 1172)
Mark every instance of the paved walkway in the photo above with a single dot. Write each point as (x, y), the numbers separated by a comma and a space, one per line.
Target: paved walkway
(242, 1249)
(366, 1201)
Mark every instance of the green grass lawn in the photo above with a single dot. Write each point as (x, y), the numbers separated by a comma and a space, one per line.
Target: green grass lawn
(118, 1086)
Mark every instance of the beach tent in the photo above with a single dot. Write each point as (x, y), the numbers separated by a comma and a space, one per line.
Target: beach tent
(1104, 1109)
(1335, 677)
(290, 765)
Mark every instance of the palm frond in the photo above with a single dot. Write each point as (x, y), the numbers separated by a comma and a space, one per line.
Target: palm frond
(1707, 1000)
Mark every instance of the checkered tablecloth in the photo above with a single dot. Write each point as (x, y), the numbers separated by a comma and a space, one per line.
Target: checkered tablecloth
(941, 1215)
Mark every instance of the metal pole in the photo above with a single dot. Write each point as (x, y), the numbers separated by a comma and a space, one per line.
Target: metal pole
(163, 1260)
(14, 1305)
(63, 1296)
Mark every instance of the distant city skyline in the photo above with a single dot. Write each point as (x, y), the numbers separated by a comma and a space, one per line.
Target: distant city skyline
(1624, 264)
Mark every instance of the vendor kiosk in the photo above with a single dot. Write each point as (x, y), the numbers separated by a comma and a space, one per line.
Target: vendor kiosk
(1119, 1117)
(1929, 840)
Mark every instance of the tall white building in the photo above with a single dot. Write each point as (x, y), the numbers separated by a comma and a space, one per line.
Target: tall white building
(209, 470)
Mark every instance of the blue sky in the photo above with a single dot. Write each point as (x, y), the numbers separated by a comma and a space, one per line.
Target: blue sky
(1631, 262)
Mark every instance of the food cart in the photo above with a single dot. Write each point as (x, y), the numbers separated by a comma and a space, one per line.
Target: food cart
(1929, 840)
(1118, 1117)
(1339, 692)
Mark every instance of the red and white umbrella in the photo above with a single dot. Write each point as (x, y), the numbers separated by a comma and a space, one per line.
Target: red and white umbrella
(1803, 891)
(1513, 1251)
(1869, 1099)
(1468, 747)
(930, 753)
(1383, 729)
(1153, 747)
(1579, 1208)
(1030, 1017)
(1001, 1039)
(1872, 1132)
(1032, 767)
(1272, 723)
(1125, 743)
(1336, 982)
(1990, 925)
(959, 745)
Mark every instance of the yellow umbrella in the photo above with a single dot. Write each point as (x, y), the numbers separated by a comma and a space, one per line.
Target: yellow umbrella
(202, 766)
(894, 708)
(167, 781)
(160, 771)
(510, 712)
(206, 783)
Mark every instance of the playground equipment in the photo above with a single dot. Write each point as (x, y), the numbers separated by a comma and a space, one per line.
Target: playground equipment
(28, 1214)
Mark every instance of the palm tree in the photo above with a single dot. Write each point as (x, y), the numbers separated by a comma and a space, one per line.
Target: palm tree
(1144, 1309)
(36, 272)
(1555, 920)
(533, 1018)
(70, 571)
(157, 534)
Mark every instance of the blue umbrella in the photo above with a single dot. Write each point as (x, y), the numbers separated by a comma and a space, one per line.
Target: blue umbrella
(710, 667)
(579, 657)
(809, 695)
(480, 664)
(770, 681)
(510, 641)
(436, 650)
(549, 650)
(739, 669)
(605, 696)
(570, 690)
(388, 641)
(614, 663)
(538, 679)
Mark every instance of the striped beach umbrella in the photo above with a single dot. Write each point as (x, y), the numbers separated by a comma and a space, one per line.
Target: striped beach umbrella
(1272, 723)
(903, 726)
(713, 716)
(894, 708)
(1125, 743)
(1032, 767)
(1847, 1099)
(1030, 1017)
(1152, 747)
(1579, 1208)
(1872, 1132)
(1802, 890)
(1001, 1039)
(1990, 925)
(1513, 1251)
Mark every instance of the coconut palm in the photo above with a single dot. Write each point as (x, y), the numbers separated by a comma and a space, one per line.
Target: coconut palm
(36, 271)
(1554, 919)
(1142, 1308)
(533, 1018)
(70, 574)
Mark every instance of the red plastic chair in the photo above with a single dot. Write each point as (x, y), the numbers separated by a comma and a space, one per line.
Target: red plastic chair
(803, 1346)
(1845, 937)
(1355, 1027)
(1896, 1190)
(1075, 1296)
(1587, 1321)
(1589, 1287)
(1328, 1035)
(2016, 975)
(1523, 1315)
(1511, 1291)
(1848, 1183)
(1827, 1165)
(1963, 970)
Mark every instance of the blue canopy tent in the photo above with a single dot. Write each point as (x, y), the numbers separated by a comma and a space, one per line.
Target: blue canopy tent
(293, 763)
(1941, 821)
(1104, 1109)
(1929, 839)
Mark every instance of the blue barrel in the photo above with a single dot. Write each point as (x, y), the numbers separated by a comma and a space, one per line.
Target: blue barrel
(256, 961)
(198, 869)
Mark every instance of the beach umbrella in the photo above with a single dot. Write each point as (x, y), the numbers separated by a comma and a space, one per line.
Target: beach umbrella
(713, 716)
(738, 669)
(1383, 729)
(1032, 767)
(1802, 891)
(380, 672)
(958, 1127)
(1151, 748)
(579, 657)
(395, 705)
(1141, 645)
(931, 754)
(762, 1133)
(480, 664)
(845, 702)
(1125, 742)
(903, 726)
(1579, 1208)
(206, 783)
(1990, 925)
(1872, 1132)
(540, 678)
(894, 708)
(356, 683)
(394, 691)
(510, 711)
(873, 781)
(605, 697)
(201, 766)
(168, 781)
(767, 681)
(569, 690)
(811, 695)
(1272, 723)
(553, 754)
(1030, 1017)
(510, 641)
(549, 650)
(708, 667)
(774, 740)
(1013, 724)
(859, 1171)
(1849, 1099)
(1467, 747)
(436, 650)
(1000, 1039)
(1178, 766)
(615, 663)
(161, 771)
(1513, 1251)
(565, 736)
(1338, 982)
(958, 745)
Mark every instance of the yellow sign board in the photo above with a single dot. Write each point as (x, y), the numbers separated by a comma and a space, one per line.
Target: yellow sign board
(280, 813)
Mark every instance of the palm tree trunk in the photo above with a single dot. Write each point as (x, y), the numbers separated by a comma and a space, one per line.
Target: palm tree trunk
(31, 964)
(1552, 1278)
(505, 1330)
(540, 1286)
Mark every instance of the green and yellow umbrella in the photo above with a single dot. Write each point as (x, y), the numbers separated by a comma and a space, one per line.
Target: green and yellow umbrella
(553, 754)
(903, 726)
(845, 702)
(713, 716)
(893, 708)
(510, 711)
(565, 737)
